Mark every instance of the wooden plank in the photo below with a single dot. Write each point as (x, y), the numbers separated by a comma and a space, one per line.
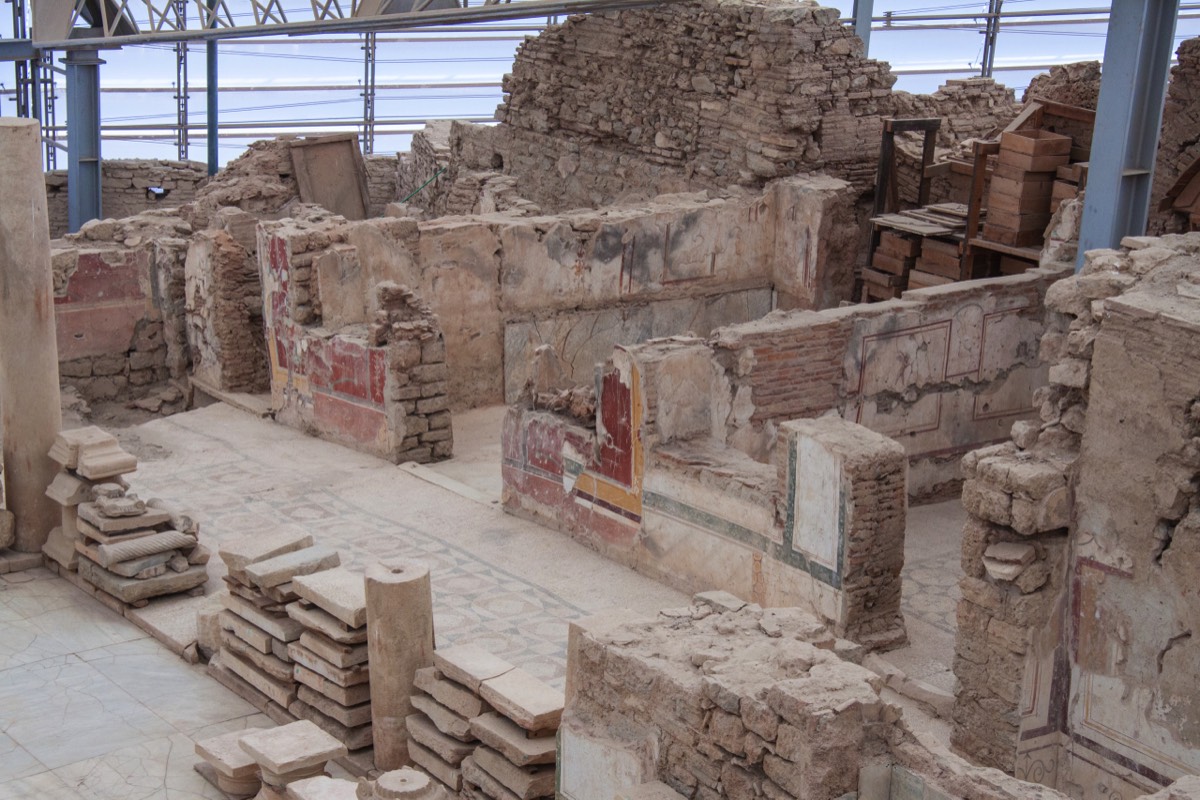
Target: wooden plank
(959, 210)
(910, 225)
(1052, 108)
(924, 280)
(881, 278)
(330, 172)
(1030, 117)
(1030, 253)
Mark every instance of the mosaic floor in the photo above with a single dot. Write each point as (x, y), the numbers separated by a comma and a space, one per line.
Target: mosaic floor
(93, 709)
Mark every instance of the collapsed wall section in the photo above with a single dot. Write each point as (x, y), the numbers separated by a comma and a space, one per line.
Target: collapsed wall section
(377, 386)
(1074, 654)
(723, 699)
(119, 306)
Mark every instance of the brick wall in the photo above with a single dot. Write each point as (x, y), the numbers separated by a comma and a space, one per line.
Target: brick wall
(382, 390)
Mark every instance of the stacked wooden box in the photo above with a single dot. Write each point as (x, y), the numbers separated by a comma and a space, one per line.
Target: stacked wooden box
(484, 727)
(939, 263)
(123, 549)
(887, 276)
(330, 657)
(1018, 205)
(1069, 181)
(255, 627)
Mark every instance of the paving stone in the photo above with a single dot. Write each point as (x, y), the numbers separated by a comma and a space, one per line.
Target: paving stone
(355, 738)
(282, 692)
(336, 653)
(469, 665)
(283, 628)
(283, 568)
(227, 756)
(472, 773)
(147, 519)
(277, 668)
(326, 623)
(502, 734)
(446, 720)
(526, 783)
(453, 695)
(133, 590)
(346, 696)
(345, 678)
(249, 633)
(447, 748)
(292, 747)
(427, 760)
(246, 550)
(339, 592)
(350, 716)
(526, 700)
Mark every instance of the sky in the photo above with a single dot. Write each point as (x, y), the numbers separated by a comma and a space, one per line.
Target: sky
(300, 85)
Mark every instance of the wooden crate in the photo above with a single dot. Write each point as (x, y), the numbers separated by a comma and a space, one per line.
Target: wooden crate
(1017, 221)
(1013, 238)
(899, 245)
(888, 263)
(1035, 143)
(1028, 163)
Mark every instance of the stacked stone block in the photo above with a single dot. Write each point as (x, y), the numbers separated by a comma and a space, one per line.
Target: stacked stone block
(256, 628)
(484, 727)
(121, 546)
(416, 352)
(289, 754)
(330, 655)
(720, 699)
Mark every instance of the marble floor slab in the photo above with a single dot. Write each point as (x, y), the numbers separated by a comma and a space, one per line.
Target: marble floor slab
(93, 709)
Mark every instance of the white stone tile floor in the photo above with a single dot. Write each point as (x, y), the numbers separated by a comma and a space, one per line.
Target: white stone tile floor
(91, 708)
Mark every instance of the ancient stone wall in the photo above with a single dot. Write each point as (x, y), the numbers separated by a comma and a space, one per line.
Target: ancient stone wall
(504, 285)
(722, 93)
(1074, 631)
(224, 306)
(378, 385)
(119, 305)
(129, 187)
(940, 370)
(1178, 146)
(1075, 84)
(721, 699)
(969, 108)
(382, 181)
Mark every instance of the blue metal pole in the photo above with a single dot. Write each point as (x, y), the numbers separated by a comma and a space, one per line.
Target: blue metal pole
(83, 138)
(863, 11)
(210, 93)
(1133, 87)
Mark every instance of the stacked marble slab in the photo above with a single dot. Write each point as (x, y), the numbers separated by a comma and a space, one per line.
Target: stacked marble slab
(265, 762)
(330, 655)
(484, 727)
(255, 626)
(121, 546)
